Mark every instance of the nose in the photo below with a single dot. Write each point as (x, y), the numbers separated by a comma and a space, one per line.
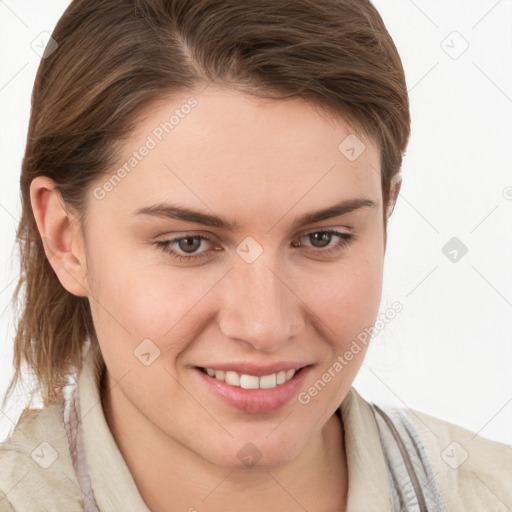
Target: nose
(259, 306)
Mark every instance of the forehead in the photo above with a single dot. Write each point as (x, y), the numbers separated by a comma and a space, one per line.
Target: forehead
(224, 147)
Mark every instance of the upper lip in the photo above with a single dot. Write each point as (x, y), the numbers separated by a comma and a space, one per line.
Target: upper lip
(257, 370)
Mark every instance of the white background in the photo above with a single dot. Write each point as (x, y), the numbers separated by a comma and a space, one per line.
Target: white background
(449, 352)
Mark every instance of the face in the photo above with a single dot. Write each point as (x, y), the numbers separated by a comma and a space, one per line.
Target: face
(250, 280)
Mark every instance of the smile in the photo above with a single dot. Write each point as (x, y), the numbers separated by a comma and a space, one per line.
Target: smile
(252, 393)
(250, 381)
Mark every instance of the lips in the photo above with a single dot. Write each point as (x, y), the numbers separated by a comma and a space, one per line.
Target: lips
(253, 400)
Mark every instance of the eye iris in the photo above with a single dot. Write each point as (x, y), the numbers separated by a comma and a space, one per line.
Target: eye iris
(321, 237)
(189, 243)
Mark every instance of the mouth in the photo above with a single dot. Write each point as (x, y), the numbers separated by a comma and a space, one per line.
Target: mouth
(247, 381)
(255, 394)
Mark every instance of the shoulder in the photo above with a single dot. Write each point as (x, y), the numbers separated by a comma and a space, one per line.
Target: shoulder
(35, 464)
(472, 472)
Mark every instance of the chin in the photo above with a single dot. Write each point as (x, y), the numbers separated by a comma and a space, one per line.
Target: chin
(257, 454)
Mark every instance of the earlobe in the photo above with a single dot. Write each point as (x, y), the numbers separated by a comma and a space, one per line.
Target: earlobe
(59, 232)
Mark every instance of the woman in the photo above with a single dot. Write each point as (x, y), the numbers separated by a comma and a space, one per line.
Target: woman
(206, 189)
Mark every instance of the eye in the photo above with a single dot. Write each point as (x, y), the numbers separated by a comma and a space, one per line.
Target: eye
(322, 240)
(186, 244)
(185, 248)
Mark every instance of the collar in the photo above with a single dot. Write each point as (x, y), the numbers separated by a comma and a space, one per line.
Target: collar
(368, 485)
(111, 481)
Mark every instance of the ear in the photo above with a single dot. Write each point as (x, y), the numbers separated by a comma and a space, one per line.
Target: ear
(395, 190)
(61, 236)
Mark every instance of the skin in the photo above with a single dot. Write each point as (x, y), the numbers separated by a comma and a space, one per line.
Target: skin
(262, 163)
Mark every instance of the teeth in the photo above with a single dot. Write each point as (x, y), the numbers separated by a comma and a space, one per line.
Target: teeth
(251, 381)
(232, 378)
(289, 374)
(268, 381)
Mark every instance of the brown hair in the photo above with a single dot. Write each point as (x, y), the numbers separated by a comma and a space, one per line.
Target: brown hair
(115, 58)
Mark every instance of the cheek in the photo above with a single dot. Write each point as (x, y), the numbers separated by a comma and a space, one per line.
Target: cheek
(347, 297)
(139, 297)
(350, 302)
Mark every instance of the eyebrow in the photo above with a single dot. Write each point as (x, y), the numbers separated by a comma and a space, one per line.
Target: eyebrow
(171, 211)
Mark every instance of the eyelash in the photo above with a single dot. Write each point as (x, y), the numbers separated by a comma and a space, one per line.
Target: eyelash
(165, 245)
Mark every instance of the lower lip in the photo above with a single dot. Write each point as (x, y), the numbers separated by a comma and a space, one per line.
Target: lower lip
(255, 400)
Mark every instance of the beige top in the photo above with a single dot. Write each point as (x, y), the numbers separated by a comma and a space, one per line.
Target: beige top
(36, 469)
